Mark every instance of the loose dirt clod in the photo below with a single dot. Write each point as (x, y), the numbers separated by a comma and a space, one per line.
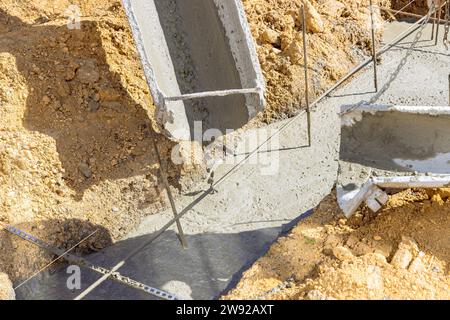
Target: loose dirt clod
(6, 288)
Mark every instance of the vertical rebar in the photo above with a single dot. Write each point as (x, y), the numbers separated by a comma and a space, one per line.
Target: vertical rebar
(169, 194)
(305, 58)
(374, 49)
(449, 89)
(439, 13)
(434, 24)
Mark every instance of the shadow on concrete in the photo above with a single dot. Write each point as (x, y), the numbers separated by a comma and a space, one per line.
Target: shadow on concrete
(21, 259)
(211, 265)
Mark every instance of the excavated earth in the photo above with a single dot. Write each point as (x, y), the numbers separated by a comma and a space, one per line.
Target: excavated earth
(338, 38)
(400, 253)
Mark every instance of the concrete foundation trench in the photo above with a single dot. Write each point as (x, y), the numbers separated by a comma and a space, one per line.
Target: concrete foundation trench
(201, 65)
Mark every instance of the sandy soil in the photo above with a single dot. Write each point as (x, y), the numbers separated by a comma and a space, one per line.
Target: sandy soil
(338, 37)
(401, 253)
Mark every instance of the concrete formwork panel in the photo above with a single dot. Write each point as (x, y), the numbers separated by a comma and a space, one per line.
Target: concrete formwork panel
(197, 46)
(391, 147)
(398, 138)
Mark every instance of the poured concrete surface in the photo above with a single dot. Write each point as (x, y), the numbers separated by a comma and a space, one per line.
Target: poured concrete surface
(228, 230)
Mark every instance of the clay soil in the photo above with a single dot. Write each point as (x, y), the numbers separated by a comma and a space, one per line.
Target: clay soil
(403, 252)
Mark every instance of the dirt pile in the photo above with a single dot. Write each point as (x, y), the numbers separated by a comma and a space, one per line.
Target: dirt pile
(338, 38)
(401, 253)
(6, 288)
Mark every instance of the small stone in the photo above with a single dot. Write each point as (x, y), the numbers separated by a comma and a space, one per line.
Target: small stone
(332, 240)
(377, 238)
(402, 258)
(63, 89)
(409, 244)
(70, 75)
(342, 253)
(85, 170)
(93, 106)
(115, 209)
(270, 36)
(437, 199)
(88, 72)
(374, 278)
(294, 50)
(333, 8)
(362, 248)
(384, 249)
(416, 266)
(72, 68)
(314, 22)
(352, 241)
(45, 100)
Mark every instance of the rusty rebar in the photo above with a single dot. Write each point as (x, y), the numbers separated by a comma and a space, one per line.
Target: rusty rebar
(181, 234)
(305, 58)
(374, 49)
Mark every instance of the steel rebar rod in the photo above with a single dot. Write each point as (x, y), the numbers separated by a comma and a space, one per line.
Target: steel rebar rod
(434, 26)
(305, 58)
(218, 93)
(374, 49)
(170, 196)
(408, 14)
(439, 13)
